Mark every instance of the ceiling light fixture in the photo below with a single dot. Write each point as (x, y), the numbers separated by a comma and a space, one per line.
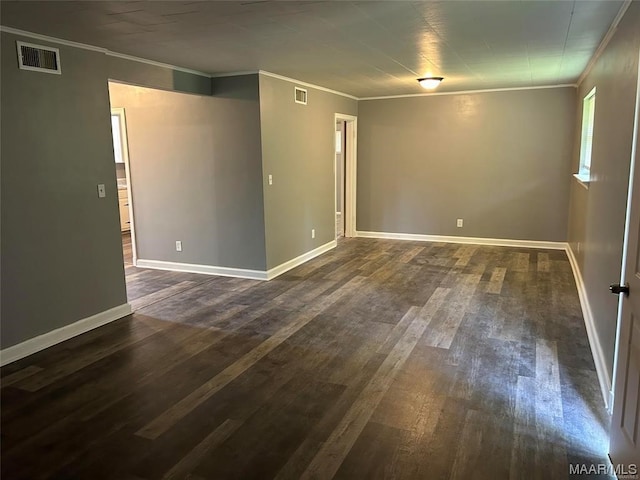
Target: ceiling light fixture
(430, 82)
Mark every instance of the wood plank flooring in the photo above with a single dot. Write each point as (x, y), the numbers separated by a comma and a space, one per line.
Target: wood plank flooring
(379, 359)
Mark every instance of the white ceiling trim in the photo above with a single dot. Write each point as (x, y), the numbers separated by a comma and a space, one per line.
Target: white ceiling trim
(305, 84)
(235, 74)
(93, 48)
(605, 40)
(465, 92)
(47, 38)
(156, 64)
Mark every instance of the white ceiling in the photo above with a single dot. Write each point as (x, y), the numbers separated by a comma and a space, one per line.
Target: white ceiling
(367, 48)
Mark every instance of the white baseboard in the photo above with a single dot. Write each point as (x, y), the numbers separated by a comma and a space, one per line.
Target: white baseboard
(204, 269)
(46, 340)
(499, 242)
(305, 257)
(236, 272)
(592, 334)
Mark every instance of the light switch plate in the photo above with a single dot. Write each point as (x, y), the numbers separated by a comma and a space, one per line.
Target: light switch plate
(102, 192)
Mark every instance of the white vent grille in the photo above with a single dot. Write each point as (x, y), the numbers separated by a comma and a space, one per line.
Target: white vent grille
(38, 58)
(300, 95)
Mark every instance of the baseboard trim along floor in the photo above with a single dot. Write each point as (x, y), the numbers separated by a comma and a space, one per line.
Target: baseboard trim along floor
(46, 340)
(203, 269)
(497, 242)
(305, 257)
(594, 341)
(237, 272)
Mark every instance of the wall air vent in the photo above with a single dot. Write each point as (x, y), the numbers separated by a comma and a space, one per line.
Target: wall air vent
(38, 58)
(300, 95)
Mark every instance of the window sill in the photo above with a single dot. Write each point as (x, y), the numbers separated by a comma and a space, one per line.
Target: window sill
(583, 179)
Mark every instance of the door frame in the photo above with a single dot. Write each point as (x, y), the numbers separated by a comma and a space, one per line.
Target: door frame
(120, 113)
(627, 227)
(632, 195)
(350, 155)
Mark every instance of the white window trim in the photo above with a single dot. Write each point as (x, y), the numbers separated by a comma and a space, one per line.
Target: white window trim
(584, 173)
(583, 179)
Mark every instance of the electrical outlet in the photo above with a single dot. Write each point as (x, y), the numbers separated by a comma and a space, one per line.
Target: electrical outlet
(459, 223)
(178, 246)
(313, 233)
(102, 192)
(270, 179)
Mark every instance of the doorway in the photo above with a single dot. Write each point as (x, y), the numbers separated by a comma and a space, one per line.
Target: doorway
(345, 162)
(123, 176)
(340, 148)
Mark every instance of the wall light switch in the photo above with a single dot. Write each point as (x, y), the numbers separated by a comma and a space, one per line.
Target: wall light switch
(313, 233)
(459, 223)
(270, 179)
(178, 246)
(102, 192)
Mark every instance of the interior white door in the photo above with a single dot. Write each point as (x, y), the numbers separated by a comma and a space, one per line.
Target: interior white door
(624, 447)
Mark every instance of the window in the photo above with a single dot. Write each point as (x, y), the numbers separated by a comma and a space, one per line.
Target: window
(586, 141)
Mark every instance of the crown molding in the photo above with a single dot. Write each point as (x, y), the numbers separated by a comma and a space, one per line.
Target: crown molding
(93, 48)
(306, 84)
(157, 64)
(47, 38)
(605, 40)
(465, 92)
(235, 74)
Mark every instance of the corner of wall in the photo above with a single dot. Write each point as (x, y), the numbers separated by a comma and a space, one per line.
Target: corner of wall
(297, 148)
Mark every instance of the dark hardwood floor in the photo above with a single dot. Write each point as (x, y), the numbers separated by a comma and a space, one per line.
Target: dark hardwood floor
(379, 359)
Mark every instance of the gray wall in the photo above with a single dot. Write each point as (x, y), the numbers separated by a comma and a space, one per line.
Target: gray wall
(61, 250)
(500, 161)
(596, 218)
(298, 149)
(196, 173)
(61, 247)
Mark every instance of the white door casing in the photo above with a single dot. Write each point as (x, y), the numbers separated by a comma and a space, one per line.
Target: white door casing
(124, 146)
(624, 448)
(350, 174)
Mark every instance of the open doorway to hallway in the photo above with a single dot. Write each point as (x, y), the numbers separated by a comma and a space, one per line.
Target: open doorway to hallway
(345, 174)
(340, 143)
(123, 176)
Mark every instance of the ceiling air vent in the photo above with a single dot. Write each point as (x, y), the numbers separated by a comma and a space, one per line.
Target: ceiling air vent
(38, 58)
(301, 95)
